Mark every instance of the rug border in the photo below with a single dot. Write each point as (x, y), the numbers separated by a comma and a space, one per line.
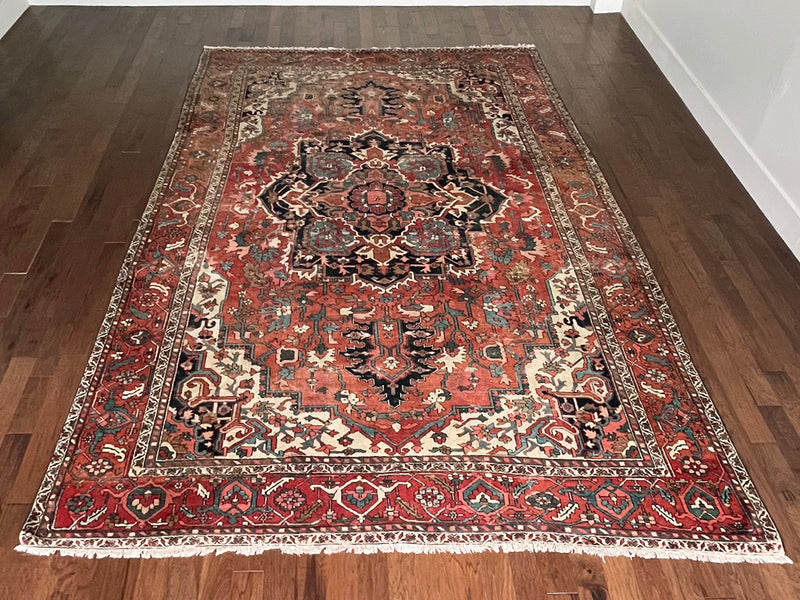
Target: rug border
(769, 551)
(709, 409)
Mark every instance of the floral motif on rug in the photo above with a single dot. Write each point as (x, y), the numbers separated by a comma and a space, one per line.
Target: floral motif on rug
(384, 300)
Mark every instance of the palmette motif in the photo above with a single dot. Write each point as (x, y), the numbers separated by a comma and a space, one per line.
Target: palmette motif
(384, 300)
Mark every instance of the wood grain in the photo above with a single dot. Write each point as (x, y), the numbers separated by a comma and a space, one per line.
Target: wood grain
(89, 99)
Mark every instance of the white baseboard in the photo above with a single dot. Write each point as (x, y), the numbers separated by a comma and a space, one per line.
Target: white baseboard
(10, 11)
(606, 6)
(307, 2)
(771, 198)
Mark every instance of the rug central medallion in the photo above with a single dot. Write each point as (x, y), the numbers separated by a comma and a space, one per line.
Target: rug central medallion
(380, 211)
(385, 299)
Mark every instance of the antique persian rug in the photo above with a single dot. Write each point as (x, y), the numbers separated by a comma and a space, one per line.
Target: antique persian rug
(384, 300)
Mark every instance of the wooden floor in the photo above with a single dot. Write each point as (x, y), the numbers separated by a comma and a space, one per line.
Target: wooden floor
(89, 100)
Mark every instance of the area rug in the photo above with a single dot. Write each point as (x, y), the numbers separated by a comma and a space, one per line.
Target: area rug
(383, 300)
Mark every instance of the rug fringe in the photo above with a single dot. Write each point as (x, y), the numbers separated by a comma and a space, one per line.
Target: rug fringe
(374, 48)
(251, 549)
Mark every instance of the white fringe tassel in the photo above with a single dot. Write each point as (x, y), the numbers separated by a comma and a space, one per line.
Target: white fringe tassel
(372, 48)
(453, 548)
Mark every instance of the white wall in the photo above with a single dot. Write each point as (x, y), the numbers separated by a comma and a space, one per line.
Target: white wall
(10, 11)
(736, 64)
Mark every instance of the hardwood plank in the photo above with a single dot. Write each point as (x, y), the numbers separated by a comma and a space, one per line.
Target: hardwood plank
(553, 577)
(12, 385)
(149, 579)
